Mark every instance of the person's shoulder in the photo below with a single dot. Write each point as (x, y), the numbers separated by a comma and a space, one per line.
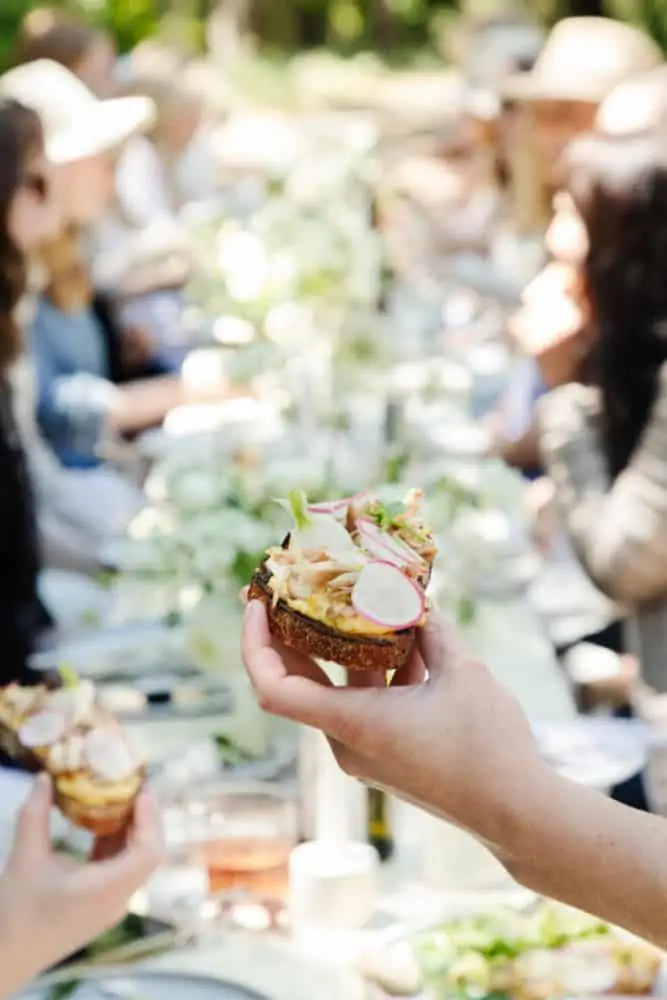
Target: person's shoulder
(573, 398)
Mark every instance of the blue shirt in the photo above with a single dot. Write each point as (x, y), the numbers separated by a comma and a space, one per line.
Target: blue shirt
(74, 392)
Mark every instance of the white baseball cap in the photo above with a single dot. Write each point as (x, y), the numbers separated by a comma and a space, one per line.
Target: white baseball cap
(76, 124)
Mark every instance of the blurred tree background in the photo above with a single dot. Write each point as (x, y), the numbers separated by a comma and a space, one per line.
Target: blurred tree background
(289, 25)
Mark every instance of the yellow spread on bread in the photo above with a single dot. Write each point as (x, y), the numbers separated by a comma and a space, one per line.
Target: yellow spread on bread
(317, 606)
(81, 787)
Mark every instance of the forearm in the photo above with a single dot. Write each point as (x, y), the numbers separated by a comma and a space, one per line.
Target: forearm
(144, 404)
(582, 848)
(524, 453)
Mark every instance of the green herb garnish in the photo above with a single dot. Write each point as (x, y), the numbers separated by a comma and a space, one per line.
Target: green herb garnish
(68, 675)
(63, 990)
(297, 505)
(466, 610)
(231, 753)
(385, 514)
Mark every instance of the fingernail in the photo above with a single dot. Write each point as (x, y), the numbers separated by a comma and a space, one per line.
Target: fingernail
(253, 610)
(43, 784)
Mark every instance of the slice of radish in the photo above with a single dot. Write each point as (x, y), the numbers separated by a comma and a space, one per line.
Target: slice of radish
(372, 540)
(108, 755)
(337, 508)
(322, 534)
(42, 730)
(387, 597)
(395, 549)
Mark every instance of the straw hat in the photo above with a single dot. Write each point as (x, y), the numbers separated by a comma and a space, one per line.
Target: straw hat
(583, 60)
(76, 124)
(639, 105)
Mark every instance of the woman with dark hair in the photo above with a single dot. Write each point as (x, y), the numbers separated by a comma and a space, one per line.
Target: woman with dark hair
(24, 218)
(37, 885)
(605, 443)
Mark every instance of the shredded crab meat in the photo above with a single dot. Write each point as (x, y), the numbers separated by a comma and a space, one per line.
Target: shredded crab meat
(298, 573)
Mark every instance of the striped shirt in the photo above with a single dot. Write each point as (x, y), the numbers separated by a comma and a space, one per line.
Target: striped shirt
(619, 529)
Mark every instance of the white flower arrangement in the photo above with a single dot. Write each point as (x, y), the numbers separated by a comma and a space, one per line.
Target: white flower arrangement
(310, 245)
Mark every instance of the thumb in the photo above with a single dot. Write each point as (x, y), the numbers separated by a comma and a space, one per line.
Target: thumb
(440, 646)
(32, 840)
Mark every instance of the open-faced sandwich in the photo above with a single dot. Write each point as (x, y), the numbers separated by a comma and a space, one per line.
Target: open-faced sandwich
(96, 776)
(348, 584)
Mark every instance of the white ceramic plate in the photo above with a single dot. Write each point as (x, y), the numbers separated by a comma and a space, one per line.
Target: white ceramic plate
(134, 984)
(129, 650)
(270, 968)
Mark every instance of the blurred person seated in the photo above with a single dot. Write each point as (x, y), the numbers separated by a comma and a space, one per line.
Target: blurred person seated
(559, 105)
(140, 248)
(603, 433)
(161, 263)
(78, 510)
(90, 371)
(25, 217)
(148, 181)
(85, 50)
(76, 349)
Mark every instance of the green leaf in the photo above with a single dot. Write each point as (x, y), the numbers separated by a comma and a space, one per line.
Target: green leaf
(466, 610)
(297, 505)
(63, 990)
(68, 675)
(385, 514)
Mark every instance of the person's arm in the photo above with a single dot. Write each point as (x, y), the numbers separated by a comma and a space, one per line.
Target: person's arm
(588, 851)
(38, 886)
(524, 452)
(77, 411)
(619, 530)
(517, 438)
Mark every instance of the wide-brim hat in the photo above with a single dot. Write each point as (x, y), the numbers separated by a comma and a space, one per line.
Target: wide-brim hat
(584, 59)
(635, 107)
(77, 125)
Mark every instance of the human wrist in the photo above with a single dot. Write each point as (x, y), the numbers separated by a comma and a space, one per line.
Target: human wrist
(20, 959)
(508, 821)
(534, 826)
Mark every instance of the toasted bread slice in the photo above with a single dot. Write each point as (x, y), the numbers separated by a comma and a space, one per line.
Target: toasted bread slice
(306, 635)
(104, 819)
